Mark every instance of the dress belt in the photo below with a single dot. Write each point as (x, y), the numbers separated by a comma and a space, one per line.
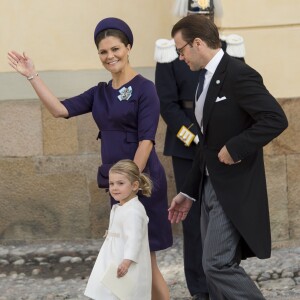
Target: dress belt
(111, 234)
(186, 103)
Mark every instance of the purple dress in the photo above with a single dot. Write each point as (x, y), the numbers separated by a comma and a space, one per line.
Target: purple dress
(124, 117)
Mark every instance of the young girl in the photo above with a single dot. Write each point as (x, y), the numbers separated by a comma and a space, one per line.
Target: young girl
(126, 244)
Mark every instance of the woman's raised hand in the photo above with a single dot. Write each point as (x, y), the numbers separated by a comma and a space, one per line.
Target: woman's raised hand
(24, 65)
(21, 63)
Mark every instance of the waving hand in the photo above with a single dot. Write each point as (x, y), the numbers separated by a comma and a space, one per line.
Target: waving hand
(21, 63)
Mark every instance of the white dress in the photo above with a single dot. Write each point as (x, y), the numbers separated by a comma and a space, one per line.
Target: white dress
(127, 238)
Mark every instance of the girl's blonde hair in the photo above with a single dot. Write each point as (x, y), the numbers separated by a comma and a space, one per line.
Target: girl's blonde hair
(132, 172)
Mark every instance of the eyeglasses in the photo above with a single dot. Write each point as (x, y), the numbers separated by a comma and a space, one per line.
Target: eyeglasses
(179, 50)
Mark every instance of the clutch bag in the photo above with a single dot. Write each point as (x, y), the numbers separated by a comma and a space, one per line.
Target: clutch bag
(122, 287)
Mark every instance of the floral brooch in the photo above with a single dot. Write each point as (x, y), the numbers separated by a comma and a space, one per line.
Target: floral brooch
(125, 93)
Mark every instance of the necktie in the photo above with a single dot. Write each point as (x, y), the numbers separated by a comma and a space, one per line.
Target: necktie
(200, 83)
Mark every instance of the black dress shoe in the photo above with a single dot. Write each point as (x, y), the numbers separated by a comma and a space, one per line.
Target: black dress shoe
(201, 296)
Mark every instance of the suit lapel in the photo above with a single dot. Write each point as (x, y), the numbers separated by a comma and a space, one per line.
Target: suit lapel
(214, 89)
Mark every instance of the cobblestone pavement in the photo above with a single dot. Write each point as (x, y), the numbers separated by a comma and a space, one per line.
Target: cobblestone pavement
(52, 271)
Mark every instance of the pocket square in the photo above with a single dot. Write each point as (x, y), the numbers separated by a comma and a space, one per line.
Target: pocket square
(221, 98)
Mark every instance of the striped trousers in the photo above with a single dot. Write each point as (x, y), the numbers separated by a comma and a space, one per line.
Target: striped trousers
(226, 279)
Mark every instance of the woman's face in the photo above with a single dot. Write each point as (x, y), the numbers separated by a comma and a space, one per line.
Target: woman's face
(113, 54)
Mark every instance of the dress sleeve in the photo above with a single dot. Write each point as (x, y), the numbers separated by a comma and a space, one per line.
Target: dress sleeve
(80, 104)
(148, 112)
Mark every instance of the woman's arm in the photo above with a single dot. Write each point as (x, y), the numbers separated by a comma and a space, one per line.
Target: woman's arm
(24, 65)
(148, 117)
(142, 154)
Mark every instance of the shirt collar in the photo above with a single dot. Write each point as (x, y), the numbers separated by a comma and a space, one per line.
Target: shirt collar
(214, 62)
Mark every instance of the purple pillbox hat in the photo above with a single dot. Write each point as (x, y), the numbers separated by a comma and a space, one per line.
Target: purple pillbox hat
(114, 23)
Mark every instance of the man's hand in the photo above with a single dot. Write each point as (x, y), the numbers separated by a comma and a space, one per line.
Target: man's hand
(225, 157)
(179, 208)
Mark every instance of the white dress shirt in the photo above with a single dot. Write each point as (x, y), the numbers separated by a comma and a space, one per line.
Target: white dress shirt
(210, 70)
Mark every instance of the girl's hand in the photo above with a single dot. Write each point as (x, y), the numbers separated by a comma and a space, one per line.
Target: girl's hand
(21, 63)
(123, 267)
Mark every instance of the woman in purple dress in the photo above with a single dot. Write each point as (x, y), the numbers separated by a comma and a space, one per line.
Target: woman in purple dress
(126, 111)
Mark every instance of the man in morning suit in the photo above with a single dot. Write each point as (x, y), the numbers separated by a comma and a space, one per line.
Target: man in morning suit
(176, 86)
(236, 116)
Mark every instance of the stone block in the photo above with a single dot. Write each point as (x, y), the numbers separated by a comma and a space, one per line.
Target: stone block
(160, 135)
(39, 206)
(59, 135)
(86, 165)
(289, 141)
(99, 210)
(20, 128)
(278, 198)
(293, 171)
(87, 135)
(167, 164)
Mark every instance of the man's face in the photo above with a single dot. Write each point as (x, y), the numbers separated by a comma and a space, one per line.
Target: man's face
(188, 52)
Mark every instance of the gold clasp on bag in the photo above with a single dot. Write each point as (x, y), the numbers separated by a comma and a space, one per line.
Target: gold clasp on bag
(185, 135)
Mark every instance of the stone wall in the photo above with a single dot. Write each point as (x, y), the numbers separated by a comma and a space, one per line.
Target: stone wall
(48, 169)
